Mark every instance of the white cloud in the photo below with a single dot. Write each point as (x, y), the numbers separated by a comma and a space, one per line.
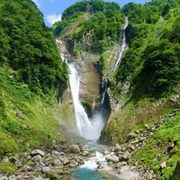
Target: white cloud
(52, 18)
(37, 3)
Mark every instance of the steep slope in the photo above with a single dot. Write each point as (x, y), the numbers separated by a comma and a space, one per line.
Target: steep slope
(32, 79)
(90, 32)
(145, 88)
(144, 91)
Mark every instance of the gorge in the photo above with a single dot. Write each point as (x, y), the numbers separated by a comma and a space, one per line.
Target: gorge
(103, 101)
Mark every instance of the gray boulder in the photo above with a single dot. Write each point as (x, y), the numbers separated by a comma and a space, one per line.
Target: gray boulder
(74, 149)
(37, 152)
(112, 158)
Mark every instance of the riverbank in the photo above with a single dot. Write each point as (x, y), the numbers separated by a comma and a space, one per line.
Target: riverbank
(61, 160)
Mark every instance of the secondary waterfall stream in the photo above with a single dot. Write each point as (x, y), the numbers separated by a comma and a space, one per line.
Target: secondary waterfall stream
(90, 129)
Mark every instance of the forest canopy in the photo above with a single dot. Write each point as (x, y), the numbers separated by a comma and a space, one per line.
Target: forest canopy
(28, 47)
(105, 19)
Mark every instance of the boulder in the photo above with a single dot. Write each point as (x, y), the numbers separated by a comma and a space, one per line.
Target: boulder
(85, 153)
(74, 149)
(73, 163)
(37, 152)
(120, 164)
(5, 159)
(125, 156)
(65, 161)
(37, 178)
(103, 167)
(46, 169)
(57, 162)
(13, 159)
(12, 177)
(131, 136)
(163, 165)
(37, 158)
(106, 152)
(4, 178)
(112, 158)
(26, 168)
(91, 154)
(55, 153)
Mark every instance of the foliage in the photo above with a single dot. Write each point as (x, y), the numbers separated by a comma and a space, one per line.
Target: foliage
(8, 167)
(28, 47)
(103, 23)
(26, 120)
(155, 151)
(32, 76)
(152, 60)
(161, 66)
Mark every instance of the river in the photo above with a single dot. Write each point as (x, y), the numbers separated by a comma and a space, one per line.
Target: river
(90, 129)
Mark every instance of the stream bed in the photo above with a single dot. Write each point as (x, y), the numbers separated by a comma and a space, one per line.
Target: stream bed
(89, 170)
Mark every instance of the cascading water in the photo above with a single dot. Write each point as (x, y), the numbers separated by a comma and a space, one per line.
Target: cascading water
(89, 129)
(104, 95)
(121, 51)
(122, 47)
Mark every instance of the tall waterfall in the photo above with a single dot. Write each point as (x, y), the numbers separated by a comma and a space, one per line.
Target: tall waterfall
(121, 50)
(122, 47)
(104, 95)
(89, 129)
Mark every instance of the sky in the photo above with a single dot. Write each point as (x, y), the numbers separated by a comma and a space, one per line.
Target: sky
(52, 9)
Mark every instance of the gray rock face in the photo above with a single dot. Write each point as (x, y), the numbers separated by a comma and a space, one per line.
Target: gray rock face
(37, 152)
(46, 169)
(13, 177)
(55, 153)
(65, 161)
(4, 178)
(163, 165)
(120, 164)
(38, 178)
(73, 163)
(125, 156)
(104, 167)
(112, 158)
(37, 158)
(57, 162)
(74, 149)
(13, 159)
(26, 168)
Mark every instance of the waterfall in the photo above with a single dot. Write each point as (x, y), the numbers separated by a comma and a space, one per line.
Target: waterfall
(89, 129)
(122, 47)
(104, 95)
(121, 50)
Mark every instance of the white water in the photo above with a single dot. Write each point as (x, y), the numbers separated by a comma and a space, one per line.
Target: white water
(91, 163)
(122, 47)
(89, 129)
(104, 93)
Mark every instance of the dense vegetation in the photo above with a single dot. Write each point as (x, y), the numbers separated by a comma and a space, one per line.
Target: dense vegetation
(102, 21)
(28, 47)
(157, 150)
(152, 60)
(32, 76)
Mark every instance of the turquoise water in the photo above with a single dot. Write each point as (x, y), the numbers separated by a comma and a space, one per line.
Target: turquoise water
(88, 171)
(87, 174)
